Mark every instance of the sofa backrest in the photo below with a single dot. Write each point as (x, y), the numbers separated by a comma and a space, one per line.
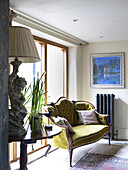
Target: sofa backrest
(65, 109)
(68, 109)
(83, 105)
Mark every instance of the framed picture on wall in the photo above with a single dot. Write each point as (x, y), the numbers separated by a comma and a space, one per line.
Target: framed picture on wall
(107, 70)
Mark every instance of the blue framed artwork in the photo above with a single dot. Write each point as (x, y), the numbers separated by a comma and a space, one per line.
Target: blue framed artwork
(107, 70)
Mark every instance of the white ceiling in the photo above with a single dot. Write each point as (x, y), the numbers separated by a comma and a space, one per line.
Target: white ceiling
(107, 19)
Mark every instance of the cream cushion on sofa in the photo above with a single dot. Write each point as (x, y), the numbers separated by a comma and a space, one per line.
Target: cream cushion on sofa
(88, 116)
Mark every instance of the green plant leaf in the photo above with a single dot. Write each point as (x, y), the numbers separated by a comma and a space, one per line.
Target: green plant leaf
(35, 95)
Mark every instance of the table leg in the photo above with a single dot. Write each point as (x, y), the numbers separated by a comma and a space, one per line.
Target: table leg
(23, 156)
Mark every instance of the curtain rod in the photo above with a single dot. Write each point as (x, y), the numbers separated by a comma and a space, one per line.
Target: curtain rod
(45, 28)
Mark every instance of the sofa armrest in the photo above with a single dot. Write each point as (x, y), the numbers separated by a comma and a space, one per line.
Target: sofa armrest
(102, 118)
(53, 110)
(68, 137)
(62, 126)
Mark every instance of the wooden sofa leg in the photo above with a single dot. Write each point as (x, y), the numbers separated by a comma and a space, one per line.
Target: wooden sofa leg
(109, 134)
(70, 156)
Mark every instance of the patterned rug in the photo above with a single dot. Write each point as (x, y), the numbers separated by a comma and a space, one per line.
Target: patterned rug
(101, 162)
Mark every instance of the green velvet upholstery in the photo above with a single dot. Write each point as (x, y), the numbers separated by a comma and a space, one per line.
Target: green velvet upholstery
(60, 141)
(83, 106)
(84, 134)
(65, 109)
(102, 118)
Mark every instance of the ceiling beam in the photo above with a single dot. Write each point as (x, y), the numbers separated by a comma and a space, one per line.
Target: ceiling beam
(45, 28)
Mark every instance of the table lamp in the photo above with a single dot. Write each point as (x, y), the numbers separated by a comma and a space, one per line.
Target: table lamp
(22, 49)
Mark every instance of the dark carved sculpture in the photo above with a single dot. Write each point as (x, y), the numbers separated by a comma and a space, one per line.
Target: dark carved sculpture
(18, 111)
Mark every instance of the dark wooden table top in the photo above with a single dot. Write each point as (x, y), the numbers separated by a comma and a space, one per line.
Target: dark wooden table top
(33, 137)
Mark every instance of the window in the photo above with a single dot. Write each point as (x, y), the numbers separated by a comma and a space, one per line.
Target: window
(56, 67)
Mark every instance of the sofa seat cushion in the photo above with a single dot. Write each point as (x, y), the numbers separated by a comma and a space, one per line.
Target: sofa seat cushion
(85, 134)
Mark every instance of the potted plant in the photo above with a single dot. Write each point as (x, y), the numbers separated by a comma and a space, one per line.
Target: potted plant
(37, 99)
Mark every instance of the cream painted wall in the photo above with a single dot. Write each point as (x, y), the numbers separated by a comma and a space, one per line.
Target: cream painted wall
(121, 95)
(75, 72)
(72, 73)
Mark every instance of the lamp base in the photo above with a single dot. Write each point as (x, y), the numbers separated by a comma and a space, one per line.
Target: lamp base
(18, 112)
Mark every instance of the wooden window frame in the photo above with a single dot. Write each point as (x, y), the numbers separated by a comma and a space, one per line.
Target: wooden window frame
(64, 48)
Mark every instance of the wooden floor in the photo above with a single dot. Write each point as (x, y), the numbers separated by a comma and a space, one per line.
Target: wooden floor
(59, 158)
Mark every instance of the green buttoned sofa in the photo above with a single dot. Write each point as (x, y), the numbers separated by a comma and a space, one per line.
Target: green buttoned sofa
(83, 134)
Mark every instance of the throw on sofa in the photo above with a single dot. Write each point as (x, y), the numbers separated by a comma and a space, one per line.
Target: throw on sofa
(81, 124)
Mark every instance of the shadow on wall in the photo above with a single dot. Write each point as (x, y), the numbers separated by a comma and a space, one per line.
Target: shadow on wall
(120, 114)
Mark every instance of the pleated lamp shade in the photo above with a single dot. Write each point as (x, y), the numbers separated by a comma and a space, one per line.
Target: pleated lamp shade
(22, 45)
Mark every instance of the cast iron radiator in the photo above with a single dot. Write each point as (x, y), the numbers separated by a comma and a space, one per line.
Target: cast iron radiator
(105, 105)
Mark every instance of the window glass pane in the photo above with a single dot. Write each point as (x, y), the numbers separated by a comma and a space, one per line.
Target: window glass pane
(39, 66)
(54, 73)
(26, 71)
(30, 70)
